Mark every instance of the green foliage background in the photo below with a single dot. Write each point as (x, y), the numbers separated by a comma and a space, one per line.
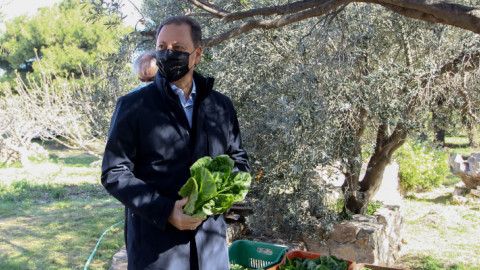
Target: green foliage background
(67, 44)
(422, 167)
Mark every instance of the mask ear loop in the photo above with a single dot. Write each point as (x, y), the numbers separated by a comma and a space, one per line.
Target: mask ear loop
(194, 65)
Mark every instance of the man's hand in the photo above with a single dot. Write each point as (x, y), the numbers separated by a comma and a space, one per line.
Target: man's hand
(182, 221)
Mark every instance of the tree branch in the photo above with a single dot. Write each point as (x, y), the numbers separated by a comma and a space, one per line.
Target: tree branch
(465, 61)
(434, 11)
(362, 119)
(468, 105)
(267, 11)
(210, 8)
(443, 12)
(275, 23)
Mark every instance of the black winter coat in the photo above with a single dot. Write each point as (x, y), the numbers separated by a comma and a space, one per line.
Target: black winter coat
(149, 151)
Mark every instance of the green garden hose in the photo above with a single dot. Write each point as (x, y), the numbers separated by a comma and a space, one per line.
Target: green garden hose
(98, 243)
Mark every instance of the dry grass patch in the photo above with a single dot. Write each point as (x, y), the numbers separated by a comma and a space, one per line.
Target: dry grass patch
(436, 228)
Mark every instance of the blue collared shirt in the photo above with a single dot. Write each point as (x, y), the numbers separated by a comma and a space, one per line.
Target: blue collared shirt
(187, 105)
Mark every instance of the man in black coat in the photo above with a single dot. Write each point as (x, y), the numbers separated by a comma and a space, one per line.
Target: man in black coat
(156, 134)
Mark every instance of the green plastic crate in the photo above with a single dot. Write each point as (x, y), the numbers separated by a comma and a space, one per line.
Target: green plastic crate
(256, 255)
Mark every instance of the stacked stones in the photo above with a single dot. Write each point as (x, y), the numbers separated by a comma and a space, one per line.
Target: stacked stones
(367, 239)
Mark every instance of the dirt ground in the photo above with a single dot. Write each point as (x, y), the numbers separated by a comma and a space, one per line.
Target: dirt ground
(434, 227)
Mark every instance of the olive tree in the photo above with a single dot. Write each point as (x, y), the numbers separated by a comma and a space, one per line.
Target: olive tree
(319, 82)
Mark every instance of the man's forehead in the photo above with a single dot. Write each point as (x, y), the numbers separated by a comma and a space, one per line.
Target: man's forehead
(178, 30)
(175, 34)
(173, 42)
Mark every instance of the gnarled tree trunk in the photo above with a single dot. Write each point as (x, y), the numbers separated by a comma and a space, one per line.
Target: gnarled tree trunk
(358, 193)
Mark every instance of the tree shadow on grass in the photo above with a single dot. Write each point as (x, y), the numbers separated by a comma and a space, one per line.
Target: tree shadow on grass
(59, 153)
(445, 199)
(60, 238)
(28, 192)
(27, 198)
(457, 145)
(15, 263)
(80, 160)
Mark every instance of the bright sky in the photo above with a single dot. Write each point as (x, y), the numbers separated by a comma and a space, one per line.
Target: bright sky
(13, 8)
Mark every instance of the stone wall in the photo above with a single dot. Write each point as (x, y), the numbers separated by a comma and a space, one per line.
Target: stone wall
(364, 239)
(235, 231)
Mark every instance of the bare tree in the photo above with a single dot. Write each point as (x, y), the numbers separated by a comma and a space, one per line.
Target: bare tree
(73, 113)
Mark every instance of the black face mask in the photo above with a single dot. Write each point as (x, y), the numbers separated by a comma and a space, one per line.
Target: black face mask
(172, 65)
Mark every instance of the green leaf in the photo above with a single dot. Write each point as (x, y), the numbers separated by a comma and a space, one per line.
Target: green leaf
(200, 163)
(207, 188)
(218, 176)
(241, 184)
(222, 163)
(205, 210)
(223, 202)
(212, 188)
(190, 189)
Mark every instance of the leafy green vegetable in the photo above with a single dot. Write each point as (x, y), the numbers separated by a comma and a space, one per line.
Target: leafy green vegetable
(239, 267)
(320, 263)
(212, 187)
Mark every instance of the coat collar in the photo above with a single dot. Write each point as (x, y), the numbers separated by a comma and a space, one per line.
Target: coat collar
(204, 85)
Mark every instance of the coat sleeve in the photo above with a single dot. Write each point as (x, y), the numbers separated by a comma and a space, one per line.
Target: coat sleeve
(235, 149)
(117, 176)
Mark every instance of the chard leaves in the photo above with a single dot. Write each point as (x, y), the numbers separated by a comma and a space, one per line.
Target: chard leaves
(212, 187)
(190, 188)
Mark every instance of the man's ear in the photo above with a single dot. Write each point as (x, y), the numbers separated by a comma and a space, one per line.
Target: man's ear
(198, 55)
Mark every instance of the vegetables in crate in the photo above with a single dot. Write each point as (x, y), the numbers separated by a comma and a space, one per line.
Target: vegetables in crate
(239, 267)
(212, 187)
(320, 263)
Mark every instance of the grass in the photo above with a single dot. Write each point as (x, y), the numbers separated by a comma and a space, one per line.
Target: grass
(437, 233)
(75, 158)
(53, 213)
(61, 235)
(459, 145)
(429, 263)
(440, 231)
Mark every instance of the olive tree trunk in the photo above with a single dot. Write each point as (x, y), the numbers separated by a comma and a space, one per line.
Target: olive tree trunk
(358, 194)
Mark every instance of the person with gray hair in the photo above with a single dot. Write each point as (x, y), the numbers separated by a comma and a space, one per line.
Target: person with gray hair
(145, 67)
(156, 134)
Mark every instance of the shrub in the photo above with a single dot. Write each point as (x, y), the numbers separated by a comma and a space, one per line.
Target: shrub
(372, 207)
(422, 166)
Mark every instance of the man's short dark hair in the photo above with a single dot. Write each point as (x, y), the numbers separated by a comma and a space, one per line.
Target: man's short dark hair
(195, 28)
